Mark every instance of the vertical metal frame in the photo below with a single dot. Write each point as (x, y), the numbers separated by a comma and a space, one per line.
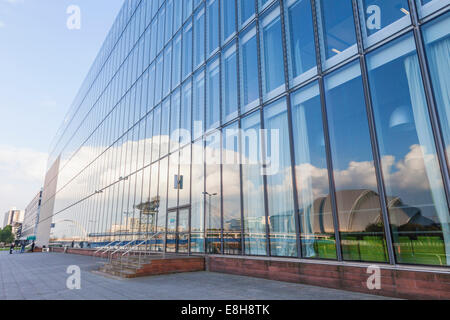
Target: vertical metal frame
(291, 132)
(262, 126)
(326, 133)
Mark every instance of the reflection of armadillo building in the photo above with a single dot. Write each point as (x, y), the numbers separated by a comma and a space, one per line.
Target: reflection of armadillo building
(359, 209)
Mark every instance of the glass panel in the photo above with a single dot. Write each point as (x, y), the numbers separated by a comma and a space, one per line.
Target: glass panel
(171, 231)
(167, 70)
(156, 133)
(228, 19)
(175, 121)
(380, 19)
(246, 11)
(187, 50)
(262, 4)
(187, 8)
(301, 50)
(213, 94)
(198, 108)
(272, 73)
(336, 31)
(184, 178)
(159, 79)
(229, 84)
(437, 39)
(198, 198)
(279, 181)
(358, 203)
(316, 217)
(185, 121)
(165, 121)
(161, 25)
(173, 181)
(427, 7)
(417, 203)
(183, 230)
(169, 20)
(213, 27)
(176, 67)
(162, 194)
(253, 187)
(231, 191)
(199, 39)
(177, 15)
(212, 193)
(249, 71)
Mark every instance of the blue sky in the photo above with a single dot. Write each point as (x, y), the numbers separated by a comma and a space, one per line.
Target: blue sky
(42, 66)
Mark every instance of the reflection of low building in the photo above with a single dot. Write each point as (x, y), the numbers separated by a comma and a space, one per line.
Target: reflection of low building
(31, 218)
(358, 211)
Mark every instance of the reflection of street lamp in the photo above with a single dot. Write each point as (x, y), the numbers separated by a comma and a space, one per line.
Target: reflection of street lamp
(209, 209)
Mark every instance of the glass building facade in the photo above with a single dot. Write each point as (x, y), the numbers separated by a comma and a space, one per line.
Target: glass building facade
(311, 129)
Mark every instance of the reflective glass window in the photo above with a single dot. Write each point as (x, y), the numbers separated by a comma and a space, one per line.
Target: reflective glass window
(437, 39)
(185, 121)
(198, 107)
(176, 63)
(277, 159)
(301, 50)
(199, 39)
(212, 193)
(272, 72)
(427, 7)
(253, 187)
(417, 204)
(187, 50)
(212, 22)
(213, 94)
(315, 212)
(175, 120)
(169, 20)
(231, 190)
(229, 84)
(184, 178)
(380, 19)
(246, 11)
(165, 122)
(198, 198)
(228, 11)
(358, 202)
(249, 70)
(167, 76)
(336, 31)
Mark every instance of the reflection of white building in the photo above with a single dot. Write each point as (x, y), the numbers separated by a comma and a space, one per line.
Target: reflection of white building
(12, 216)
(31, 218)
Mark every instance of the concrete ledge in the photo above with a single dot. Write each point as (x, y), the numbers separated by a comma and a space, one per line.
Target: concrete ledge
(395, 282)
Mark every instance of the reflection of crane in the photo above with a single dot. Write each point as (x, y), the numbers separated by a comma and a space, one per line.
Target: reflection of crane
(79, 226)
(209, 207)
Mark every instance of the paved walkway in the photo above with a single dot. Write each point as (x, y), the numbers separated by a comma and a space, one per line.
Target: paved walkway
(43, 276)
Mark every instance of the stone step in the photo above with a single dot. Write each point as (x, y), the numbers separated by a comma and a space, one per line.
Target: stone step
(130, 267)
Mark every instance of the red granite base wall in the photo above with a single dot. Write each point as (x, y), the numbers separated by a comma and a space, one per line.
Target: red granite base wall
(166, 266)
(394, 282)
(83, 252)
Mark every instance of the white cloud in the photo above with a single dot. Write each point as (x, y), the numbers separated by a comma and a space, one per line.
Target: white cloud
(21, 176)
(2, 24)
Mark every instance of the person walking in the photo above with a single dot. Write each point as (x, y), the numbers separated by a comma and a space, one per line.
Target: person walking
(32, 246)
(11, 248)
(22, 249)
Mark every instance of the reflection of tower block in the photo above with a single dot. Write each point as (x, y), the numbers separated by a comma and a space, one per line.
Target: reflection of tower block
(149, 209)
